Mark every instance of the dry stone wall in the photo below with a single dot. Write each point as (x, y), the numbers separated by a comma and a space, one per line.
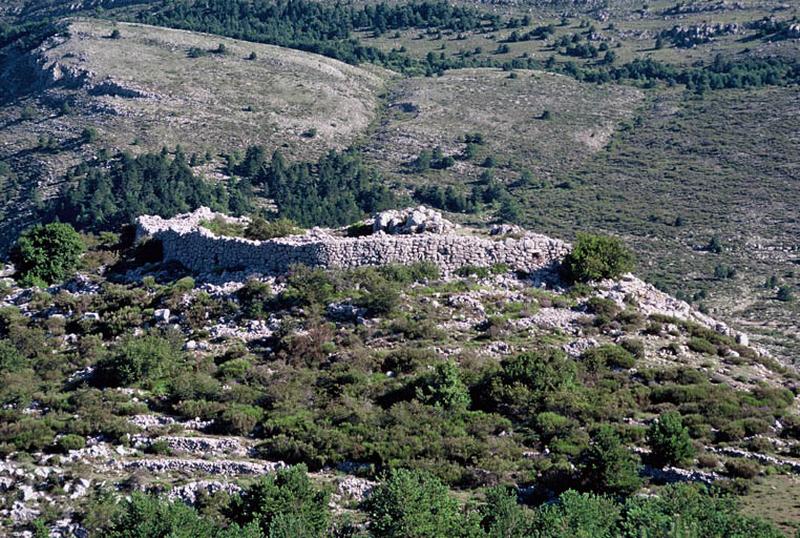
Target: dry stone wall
(184, 240)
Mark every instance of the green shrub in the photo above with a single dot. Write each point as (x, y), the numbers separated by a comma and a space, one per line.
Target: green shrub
(785, 294)
(669, 440)
(635, 347)
(159, 447)
(528, 380)
(701, 345)
(413, 504)
(47, 253)
(89, 135)
(732, 431)
(183, 285)
(406, 359)
(502, 516)
(444, 388)
(610, 355)
(139, 360)
(223, 227)
(70, 441)
(261, 229)
(408, 274)
(254, 298)
(469, 270)
(576, 514)
(235, 369)
(601, 306)
(741, 468)
(550, 425)
(11, 360)
(595, 257)
(142, 515)
(284, 504)
(238, 419)
(380, 297)
(306, 286)
(608, 467)
(694, 510)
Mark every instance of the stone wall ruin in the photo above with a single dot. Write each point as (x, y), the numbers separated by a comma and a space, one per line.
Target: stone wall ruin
(403, 237)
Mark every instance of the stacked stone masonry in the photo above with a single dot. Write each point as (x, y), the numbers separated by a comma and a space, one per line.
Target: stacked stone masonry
(186, 241)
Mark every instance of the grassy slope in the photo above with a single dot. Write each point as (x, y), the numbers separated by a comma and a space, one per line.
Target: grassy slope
(508, 113)
(728, 166)
(218, 101)
(213, 103)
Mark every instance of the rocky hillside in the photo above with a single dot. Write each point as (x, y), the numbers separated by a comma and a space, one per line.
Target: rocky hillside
(135, 375)
(84, 92)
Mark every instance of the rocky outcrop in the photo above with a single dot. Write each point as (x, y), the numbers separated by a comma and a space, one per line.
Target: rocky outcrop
(213, 446)
(208, 467)
(415, 235)
(411, 221)
(690, 36)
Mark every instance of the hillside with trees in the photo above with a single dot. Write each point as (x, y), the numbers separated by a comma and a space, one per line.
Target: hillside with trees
(644, 385)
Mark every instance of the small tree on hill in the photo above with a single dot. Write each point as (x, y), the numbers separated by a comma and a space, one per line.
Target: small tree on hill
(595, 257)
(785, 294)
(284, 504)
(46, 254)
(608, 467)
(669, 440)
(413, 504)
(444, 388)
(89, 135)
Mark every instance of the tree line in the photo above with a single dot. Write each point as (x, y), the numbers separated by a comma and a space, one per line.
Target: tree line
(106, 194)
(412, 504)
(315, 27)
(336, 190)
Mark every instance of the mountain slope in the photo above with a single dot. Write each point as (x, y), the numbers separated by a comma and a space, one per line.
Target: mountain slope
(154, 87)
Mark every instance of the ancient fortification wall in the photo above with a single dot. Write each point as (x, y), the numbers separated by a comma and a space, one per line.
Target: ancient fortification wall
(414, 235)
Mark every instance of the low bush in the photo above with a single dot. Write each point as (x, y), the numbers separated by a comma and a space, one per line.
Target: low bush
(610, 355)
(68, 442)
(669, 440)
(701, 345)
(139, 360)
(223, 227)
(741, 468)
(261, 229)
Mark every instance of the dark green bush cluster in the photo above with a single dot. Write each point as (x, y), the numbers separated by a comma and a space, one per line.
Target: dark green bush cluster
(412, 504)
(316, 28)
(140, 360)
(262, 230)
(595, 257)
(610, 355)
(336, 190)
(48, 253)
(108, 194)
(669, 440)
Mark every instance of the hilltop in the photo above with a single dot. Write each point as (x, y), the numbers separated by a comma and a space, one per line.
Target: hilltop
(237, 330)
(482, 376)
(143, 90)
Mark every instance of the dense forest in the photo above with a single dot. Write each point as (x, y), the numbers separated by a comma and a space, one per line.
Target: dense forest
(328, 30)
(336, 190)
(315, 27)
(103, 195)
